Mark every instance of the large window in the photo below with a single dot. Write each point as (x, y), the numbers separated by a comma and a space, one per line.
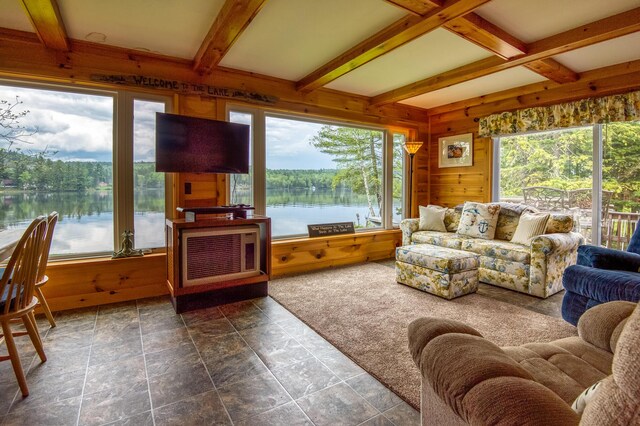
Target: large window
(558, 171)
(307, 172)
(57, 153)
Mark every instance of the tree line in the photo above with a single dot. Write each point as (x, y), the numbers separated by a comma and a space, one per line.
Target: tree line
(41, 172)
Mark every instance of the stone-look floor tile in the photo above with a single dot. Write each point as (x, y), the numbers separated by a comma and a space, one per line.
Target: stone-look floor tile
(115, 330)
(70, 341)
(337, 405)
(160, 320)
(59, 413)
(239, 308)
(379, 420)
(275, 347)
(294, 327)
(403, 414)
(61, 361)
(248, 320)
(47, 389)
(305, 377)
(313, 342)
(179, 384)
(118, 308)
(76, 315)
(162, 340)
(273, 310)
(288, 414)
(143, 419)
(208, 329)
(252, 396)
(114, 374)
(172, 360)
(202, 315)
(152, 303)
(229, 359)
(203, 409)
(102, 353)
(339, 363)
(7, 375)
(69, 327)
(374, 392)
(115, 404)
(8, 391)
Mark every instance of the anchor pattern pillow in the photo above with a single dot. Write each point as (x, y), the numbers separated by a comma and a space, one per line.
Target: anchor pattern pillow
(479, 220)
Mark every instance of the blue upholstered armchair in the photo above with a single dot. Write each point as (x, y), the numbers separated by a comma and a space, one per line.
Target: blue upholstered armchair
(601, 275)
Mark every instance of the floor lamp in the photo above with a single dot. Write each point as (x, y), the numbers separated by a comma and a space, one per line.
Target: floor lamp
(411, 148)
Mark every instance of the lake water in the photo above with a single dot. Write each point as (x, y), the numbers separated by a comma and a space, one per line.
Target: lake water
(86, 219)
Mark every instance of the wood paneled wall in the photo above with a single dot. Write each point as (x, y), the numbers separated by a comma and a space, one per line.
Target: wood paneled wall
(453, 186)
(98, 281)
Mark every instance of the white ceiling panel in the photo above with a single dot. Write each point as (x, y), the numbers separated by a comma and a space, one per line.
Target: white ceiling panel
(531, 20)
(611, 52)
(424, 57)
(168, 27)
(290, 39)
(497, 82)
(13, 16)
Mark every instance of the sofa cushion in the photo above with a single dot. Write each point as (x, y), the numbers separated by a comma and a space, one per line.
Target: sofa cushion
(601, 284)
(498, 249)
(529, 226)
(452, 218)
(509, 218)
(559, 223)
(479, 220)
(510, 267)
(437, 258)
(432, 218)
(441, 239)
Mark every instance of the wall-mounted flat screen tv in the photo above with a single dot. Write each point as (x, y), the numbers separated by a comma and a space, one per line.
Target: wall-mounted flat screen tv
(198, 145)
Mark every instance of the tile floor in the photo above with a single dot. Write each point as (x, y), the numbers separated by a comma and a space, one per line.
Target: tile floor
(138, 363)
(248, 363)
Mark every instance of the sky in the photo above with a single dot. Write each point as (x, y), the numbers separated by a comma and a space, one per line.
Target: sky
(79, 127)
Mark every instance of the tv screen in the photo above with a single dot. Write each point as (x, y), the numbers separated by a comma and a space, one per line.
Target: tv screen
(198, 145)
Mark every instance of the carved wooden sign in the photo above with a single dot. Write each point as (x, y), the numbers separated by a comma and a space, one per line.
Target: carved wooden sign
(326, 229)
(183, 87)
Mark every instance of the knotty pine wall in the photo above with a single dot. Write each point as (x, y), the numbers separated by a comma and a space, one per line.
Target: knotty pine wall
(98, 281)
(453, 186)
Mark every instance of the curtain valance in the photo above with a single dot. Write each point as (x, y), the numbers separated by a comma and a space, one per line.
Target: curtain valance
(625, 107)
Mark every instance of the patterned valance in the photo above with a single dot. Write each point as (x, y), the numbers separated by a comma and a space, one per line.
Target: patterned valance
(625, 107)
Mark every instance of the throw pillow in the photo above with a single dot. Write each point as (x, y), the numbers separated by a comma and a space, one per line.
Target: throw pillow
(584, 398)
(432, 218)
(479, 220)
(529, 226)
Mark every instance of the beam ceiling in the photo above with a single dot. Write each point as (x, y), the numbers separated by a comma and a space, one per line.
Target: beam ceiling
(233, 19)
(45, 18)
(541, 50)
(395, 35)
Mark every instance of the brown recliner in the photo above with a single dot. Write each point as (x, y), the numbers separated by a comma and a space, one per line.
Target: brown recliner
(469, 380)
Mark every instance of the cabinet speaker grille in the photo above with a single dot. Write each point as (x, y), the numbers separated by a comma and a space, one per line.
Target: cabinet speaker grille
(213, 255)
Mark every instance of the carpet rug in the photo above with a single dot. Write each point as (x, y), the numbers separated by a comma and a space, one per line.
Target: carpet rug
(364, 313)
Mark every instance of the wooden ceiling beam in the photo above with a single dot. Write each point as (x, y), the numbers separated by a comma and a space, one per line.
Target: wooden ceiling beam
(232, 20)
(585, 35)
(393, 36)
(416, 7)
(47, 22)
(476, 29)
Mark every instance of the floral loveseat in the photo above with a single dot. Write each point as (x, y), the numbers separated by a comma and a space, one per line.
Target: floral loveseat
(535, 268)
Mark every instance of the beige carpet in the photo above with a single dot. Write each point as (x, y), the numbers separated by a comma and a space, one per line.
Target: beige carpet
(362, 311)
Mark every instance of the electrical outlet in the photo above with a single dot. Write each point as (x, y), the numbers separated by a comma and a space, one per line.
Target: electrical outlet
(187, 187)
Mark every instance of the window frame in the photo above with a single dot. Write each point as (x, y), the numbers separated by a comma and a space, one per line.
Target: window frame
(122, 154)
(258, 149)
(596, 172)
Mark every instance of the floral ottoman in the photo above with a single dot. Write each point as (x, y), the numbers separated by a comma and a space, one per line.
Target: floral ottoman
(442, 271)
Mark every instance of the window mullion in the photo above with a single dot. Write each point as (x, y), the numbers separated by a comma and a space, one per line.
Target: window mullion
(596, 196)
(123, 167)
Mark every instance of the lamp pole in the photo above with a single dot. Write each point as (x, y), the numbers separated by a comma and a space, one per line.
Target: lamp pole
(411, 148)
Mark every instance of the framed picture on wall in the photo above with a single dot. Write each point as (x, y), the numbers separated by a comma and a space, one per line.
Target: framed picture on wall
(455, 151)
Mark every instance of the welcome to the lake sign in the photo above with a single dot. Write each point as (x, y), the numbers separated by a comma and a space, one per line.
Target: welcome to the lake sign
(184, 88)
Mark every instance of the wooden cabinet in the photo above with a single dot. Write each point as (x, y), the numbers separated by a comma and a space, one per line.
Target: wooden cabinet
(216, 261)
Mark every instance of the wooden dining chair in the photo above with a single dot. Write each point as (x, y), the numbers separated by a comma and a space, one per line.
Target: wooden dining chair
(17, 300)
(42, 278)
